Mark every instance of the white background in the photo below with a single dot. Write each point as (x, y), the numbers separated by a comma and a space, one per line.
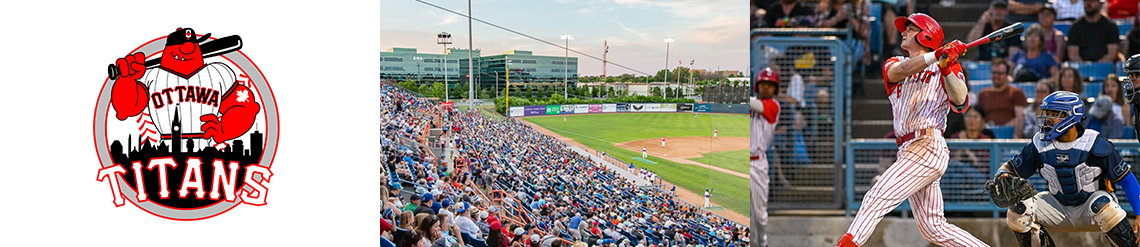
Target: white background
(319, 57)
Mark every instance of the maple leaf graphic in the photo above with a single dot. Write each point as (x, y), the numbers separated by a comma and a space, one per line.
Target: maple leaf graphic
(243, 96)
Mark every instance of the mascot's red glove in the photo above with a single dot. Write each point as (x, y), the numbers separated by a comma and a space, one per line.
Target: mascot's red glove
(236, 114)
(128, 95)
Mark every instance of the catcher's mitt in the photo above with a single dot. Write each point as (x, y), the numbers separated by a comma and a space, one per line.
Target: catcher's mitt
(1009, 190)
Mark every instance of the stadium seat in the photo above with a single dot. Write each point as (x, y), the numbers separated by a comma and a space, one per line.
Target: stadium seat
(1028, 88)
(1092, 89)
(1062, 26)
(1002, 132)
(977, 86)
(876, 40)
(1129, 133)
(1093, 71)
(386, 243)
(398, 234)
(1124, 28)
(977, 70)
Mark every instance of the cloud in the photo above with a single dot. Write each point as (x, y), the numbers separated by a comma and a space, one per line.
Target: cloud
(448, 20)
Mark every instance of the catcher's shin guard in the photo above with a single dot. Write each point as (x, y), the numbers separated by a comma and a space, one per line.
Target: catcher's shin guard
(1121, 235)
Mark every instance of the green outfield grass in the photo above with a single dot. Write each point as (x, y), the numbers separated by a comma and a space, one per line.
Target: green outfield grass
(601, 131)
(736, 160)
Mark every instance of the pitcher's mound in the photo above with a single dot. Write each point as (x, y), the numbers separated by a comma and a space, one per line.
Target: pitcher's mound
(686, 147)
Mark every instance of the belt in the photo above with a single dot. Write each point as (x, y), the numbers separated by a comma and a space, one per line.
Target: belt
(922, 132)
(754, 157)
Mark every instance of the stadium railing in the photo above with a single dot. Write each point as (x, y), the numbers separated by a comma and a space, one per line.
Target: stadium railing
(809, 135)
(964, 178)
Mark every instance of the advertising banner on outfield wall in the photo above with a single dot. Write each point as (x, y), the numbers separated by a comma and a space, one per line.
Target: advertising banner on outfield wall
(669, 107)
(553, 110)
(684, 107)
(595, 108)
(621, 107)
(567, 109)
(534, 110)
(652, 107)
(581, 109)
(636, 107)
(702, 108)
(516, 111)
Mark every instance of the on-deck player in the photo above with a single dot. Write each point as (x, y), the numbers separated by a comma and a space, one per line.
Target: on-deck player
(1078, 201)
(765, 111)
(921, 90)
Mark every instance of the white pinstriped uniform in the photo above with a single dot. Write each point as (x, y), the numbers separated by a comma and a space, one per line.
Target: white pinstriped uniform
(195, 96)
(762, 134)
(919, 102)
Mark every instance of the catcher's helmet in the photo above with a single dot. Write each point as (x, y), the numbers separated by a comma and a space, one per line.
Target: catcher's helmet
(1071, 108)
(931, 35)
(767, 74)
(1132, 65)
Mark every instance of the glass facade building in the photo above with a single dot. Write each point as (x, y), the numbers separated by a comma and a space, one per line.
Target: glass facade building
(525, 68)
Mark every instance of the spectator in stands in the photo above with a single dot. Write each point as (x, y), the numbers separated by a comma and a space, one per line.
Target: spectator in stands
(495, 237)
(464, 221)
(975, 126)
(991, 20)
(858, 15)
(1111, 88)
(412, 239)
(892, 9)
(1070, 80)
(1069, 10)
(1102, 119)
(788, 13)
(1132, 40)
(1034, 62)
(449, 233)
(1094, 37)
(1054, 38)
(1002, 102)
(425, 206)
(411, 207)
(1123, 10)
(1024, 10)
(1029, 114)
(831, 14)
(970, 166)
(407, 221)
(429, 228)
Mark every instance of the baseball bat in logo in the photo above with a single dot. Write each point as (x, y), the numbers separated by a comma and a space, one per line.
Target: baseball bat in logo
(186, 127)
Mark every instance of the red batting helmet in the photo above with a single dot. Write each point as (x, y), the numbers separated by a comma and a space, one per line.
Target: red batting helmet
(767, 74)
(931, 35)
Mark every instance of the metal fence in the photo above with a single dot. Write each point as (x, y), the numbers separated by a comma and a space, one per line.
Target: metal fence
(725, 93)
(814, 97)
(971, 163)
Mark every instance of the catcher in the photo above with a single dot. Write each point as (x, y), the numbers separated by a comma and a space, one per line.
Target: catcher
(1081, 169)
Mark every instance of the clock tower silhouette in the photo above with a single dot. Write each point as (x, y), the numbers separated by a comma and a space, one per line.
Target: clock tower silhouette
(176, 132)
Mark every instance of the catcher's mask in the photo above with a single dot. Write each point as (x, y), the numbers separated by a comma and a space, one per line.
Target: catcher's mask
(1060, 111)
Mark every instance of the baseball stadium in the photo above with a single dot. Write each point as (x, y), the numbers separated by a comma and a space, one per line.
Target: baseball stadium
(949, 127)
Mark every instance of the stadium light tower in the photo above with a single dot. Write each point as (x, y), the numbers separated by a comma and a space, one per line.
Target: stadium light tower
(667, 42)
(566, 66)
(444, 39)
(470, 61)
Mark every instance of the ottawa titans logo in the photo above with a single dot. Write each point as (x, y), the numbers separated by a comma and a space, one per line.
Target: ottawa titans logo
(186, 127)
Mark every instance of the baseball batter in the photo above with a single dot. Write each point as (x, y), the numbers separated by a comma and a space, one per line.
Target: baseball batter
(183, 84)
(921, 88)
(1080, 167)
(765, 111)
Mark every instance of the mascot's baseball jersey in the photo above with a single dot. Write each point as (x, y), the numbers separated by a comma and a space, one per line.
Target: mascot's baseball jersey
(191, 97)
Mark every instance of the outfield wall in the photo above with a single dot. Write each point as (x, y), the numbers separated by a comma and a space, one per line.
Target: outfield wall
(544, 110)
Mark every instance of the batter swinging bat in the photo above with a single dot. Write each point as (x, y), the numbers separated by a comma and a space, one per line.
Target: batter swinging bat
(209, 49)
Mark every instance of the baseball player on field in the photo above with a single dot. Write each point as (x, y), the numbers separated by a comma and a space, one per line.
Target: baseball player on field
(644, 154)
(922, 88)
(222, 108)
(765, 112)
(662, 141)
(1080, 167)
(715, 131)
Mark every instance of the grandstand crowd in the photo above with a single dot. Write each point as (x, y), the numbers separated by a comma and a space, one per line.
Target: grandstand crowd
(511, 185)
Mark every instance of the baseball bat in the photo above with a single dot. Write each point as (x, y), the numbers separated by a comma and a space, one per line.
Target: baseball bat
(1013, 30)
(211, 48)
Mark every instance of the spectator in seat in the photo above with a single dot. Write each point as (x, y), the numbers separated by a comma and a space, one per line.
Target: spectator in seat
(1034, 62)
(1069, 10)
(1024, 10)
(1070, 80)
(892, 9)
(970, 166)
(993, 19)
(858, 16)
(788, 13)
(1111, 88)
(1132, 40)
(831, 14)
(1054, 38)
(1002, 103)
(1101, 118)
(1094, 37)
(1029, 125)
(1124, 10)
